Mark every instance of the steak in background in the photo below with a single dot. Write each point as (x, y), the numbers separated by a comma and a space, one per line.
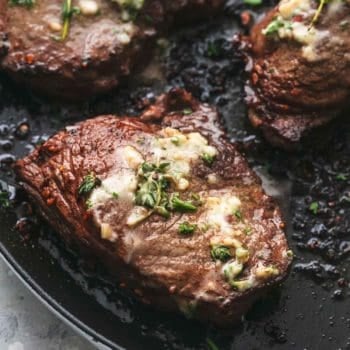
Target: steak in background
(103, 44)
(166, 204)
(299, 69)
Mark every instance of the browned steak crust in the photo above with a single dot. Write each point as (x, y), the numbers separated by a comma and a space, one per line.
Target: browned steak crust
(161, 266)
(99, 50)
(290, 95)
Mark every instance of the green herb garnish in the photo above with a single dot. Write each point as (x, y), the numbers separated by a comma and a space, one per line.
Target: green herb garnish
(253, 2)
(321, 5)
(130, 8)
(238, 214)
(208, 159)
(314, 207)
(211, 345)
(220, 252)
(152, 191)
(185, 228)
(247, 230)
(213, 50)
(90, 181)
(187, 111)
(4, 199)
(26, 3)
(89, 204)
(115, 195)
(341, 177)
(179, 205)
(275, 25)
(67, 13)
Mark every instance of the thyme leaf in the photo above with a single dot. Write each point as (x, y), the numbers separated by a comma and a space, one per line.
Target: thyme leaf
(220, 252)
(89, 182)
(185, 228)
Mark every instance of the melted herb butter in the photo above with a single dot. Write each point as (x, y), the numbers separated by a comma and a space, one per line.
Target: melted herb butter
(149, 185)
(295, 21)
(180, 150)
(218, 210)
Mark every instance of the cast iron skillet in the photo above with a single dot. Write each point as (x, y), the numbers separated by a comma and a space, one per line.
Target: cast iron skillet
(310, 310)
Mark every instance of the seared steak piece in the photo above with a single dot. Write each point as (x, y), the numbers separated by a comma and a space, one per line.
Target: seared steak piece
(300, 69)
(88, 48)
(170, 207)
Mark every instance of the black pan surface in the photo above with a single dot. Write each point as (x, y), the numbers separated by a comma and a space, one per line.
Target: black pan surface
(311, 310)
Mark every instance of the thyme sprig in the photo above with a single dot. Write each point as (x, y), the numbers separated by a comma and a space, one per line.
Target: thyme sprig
(319, 11)
(154, 182)
(89, 182)
(68, 10)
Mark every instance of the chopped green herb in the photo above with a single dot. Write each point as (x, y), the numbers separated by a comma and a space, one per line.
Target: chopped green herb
(314, 207)
(4, 199)
(205, 227)
(253, 2)
(211, 345)
(26, 3)
(238, 214)
(130, 8)
(342, 177)
(175, 140)
(247, 230)
(213, 50)
(208, 159)
(90, 181)
(185, 228)
(275, 25)
(115, 195)
(182, 206)
(89, 204)
(187, 111)
(220, 252)
(153, 183)
(196, 199)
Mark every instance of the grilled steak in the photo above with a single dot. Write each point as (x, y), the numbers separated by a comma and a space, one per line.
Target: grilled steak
(299, 77)
(90, 49)
(167, 204)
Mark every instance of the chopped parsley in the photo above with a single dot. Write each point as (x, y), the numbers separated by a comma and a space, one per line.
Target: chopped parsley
(220, 252)
(185, 228)
(115, 195)
(89, 182)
